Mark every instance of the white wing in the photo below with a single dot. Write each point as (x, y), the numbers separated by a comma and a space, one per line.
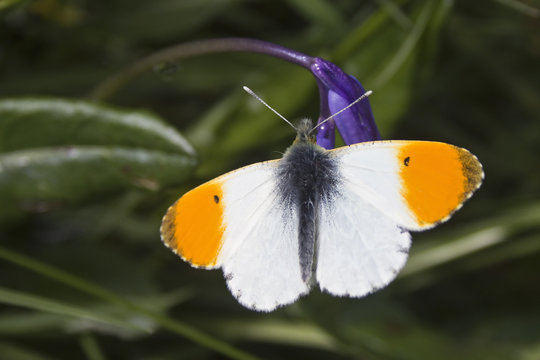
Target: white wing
(360, 249)
(259, 255)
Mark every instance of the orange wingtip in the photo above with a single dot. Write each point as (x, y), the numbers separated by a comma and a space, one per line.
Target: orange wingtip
(193, 225)
(437, 178)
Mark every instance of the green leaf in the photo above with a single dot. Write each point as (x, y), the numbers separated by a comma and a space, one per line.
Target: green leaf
(278, 331)
(91, 348)
(61, 151)
(318, 11)
(46, 320)
(161, 18)
(521, 7)
(407, 48)
(31, 301)
(39, 122)
(4, 4)
(15, 352)
(72, 173)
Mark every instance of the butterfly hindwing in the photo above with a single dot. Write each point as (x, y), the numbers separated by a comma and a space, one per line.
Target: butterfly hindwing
(360, 248)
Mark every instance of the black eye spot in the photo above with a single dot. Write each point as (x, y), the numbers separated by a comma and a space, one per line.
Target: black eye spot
(406, 161)
(216, 199)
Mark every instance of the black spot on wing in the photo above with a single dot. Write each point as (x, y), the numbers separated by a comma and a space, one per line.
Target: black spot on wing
(216, 199)
(406, 161)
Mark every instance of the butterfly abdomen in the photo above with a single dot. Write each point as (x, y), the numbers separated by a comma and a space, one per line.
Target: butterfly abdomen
(306, 175)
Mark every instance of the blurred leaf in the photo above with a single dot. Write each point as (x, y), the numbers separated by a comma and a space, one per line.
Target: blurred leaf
(91, 348)
(370, 27)
(28, 322)
(161, 17)
(112, 320)
(280, 332)
(39, 122)
(378, 327)
(400, 17)
(408, 46)
(75, 173)
(54, 151)
(475, 237)
(521, 7)
(319, 11)
(16, 352)
(31, 301)
(4, 4)
(451, 250)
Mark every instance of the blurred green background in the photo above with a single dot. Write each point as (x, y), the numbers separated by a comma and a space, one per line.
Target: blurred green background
(85, 177)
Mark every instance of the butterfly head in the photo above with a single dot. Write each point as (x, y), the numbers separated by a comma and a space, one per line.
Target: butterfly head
(304, 131)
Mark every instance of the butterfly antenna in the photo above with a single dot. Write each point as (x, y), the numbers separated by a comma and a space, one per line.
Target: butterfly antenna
(365, 95)
(250, 92)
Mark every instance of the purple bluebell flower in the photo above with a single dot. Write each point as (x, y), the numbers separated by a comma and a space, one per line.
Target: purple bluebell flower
(337, 90)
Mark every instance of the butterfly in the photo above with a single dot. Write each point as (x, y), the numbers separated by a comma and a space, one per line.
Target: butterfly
(338, 218)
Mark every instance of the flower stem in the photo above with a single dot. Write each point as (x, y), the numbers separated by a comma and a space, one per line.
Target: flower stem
(111, 85)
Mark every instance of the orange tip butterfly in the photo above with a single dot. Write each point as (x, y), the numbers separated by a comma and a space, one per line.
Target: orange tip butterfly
(340, 218)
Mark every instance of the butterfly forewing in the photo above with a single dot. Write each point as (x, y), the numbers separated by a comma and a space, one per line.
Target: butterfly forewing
(416, 183)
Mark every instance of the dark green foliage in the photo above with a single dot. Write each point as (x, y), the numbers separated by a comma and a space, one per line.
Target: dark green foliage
(83, 185)
(56, 151)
